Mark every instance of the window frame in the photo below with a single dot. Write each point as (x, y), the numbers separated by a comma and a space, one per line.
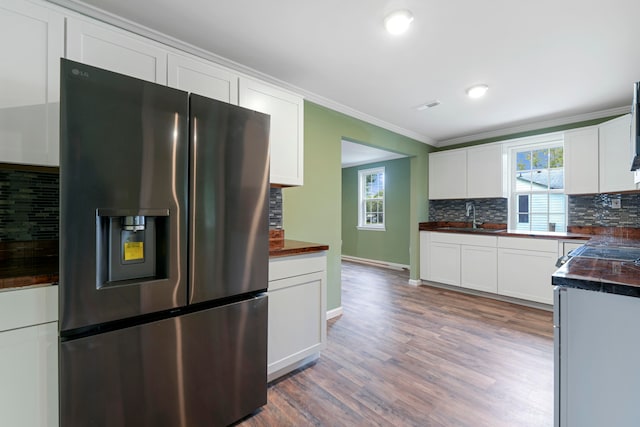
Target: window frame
(540, 142)
(362, 174)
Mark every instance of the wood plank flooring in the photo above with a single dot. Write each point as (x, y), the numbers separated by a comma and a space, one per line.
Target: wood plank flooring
(420, 356)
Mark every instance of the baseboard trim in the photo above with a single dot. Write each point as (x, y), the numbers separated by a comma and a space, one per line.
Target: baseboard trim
(415, 282)
(375, 262)
(334, 313)
(504, 298)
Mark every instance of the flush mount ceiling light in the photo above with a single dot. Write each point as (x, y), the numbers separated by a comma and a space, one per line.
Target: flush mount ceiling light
(477, 91)
(398, 22)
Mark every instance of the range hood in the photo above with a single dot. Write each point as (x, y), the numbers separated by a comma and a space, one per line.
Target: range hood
(635, 127)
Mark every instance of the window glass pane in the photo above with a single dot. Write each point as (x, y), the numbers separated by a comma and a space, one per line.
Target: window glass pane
(557, 203)
(540, 180)
(556, 179)
(540, 159)
(539, 222)
(523, 218)
(523, 181)
(540, 203)
(523, 203)
(523, 160)
(556, 157)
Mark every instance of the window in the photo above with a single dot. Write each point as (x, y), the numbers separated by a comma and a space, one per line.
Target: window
(371, 199)
(538, 202)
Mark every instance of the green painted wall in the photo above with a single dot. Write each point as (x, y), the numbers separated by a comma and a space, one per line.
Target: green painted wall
(313, 212)
(391, 245)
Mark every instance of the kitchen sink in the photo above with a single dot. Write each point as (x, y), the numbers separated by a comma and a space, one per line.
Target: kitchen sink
(471, 230)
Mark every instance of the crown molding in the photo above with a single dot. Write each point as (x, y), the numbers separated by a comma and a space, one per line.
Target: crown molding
(125, 24)
(535, 126)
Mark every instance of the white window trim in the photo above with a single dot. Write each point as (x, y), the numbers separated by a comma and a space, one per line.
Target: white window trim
(369, 227)
(533, 143)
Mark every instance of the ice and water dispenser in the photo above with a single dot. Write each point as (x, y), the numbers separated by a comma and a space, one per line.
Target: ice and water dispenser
(131, 246)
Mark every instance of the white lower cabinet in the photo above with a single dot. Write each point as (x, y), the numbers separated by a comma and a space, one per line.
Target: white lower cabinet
(516, 267)
(459, 259)
(297, 312)
(445, 263)
(525, 267)
(480, 270)
(29, 357)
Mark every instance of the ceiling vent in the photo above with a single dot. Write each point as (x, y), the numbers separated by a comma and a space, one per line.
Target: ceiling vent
(428, 105)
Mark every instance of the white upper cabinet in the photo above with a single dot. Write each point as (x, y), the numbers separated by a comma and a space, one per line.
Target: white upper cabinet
(448, 175)
(286, 135)
(485, 174)
(581, 161)
(598, 158)
(32, 43)
(468, 173)
(616, 155)
(116, 50)
(191, 74)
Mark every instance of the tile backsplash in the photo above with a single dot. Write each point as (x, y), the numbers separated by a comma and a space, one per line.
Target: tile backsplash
(487, 210)
(29, 204)
(275, 208)
(589, 210)
(597, 210)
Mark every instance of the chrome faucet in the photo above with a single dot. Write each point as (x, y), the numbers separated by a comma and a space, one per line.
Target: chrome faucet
(472, 207)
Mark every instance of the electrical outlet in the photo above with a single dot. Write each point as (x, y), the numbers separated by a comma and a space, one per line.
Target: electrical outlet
(616, 203)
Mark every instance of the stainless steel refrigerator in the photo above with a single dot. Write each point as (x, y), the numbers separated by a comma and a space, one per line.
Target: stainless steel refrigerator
(164, 254)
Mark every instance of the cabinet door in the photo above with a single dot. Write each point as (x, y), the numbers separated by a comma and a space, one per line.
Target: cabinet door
(581, 161)
(615, 155)
(286, 111)
(526, 274)
(116, 50)
(444, 260)
(29, 373)
(297, 320)
(485, 173)
(32, 43)
(448, 175)
(479, 268)
(204, 78)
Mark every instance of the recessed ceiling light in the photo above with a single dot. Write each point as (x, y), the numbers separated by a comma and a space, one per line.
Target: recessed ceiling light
(398, 22)
(477, 91)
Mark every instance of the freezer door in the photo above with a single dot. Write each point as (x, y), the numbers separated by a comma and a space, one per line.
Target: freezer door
(206, 368)
(229, 230)
(123, 154)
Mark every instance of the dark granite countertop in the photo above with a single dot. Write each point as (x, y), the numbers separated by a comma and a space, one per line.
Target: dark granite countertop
(603, 275)
(498, 229)
(15, 273)
(286, 247)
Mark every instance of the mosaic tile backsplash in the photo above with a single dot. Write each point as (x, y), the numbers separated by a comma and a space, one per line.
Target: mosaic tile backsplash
(28, 205)
(591, 210)
(487, 210)
(275, 208)
(597, 210)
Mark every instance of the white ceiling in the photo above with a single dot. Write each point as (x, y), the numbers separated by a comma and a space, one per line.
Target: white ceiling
(545, 61)
(354, 154)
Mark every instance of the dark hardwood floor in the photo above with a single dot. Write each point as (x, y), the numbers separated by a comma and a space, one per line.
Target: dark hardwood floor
(420, 356)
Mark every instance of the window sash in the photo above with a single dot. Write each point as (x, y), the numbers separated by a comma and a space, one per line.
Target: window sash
(528, 215)
(371, 195)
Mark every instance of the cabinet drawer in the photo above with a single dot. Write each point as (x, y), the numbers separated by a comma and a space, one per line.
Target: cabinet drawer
(527, 244)
(280, 268)
(464, 239)
(26, 307)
